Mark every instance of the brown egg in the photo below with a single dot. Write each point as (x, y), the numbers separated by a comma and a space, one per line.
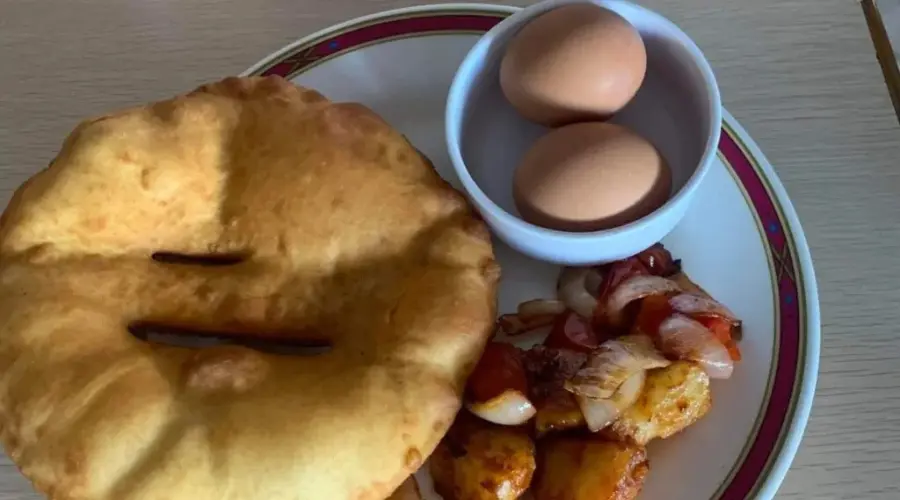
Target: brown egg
(590, 176)
(574, 63)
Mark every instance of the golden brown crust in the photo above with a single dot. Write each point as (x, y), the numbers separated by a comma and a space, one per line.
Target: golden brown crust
(579, 468)
(478, 460)
(673, 398)
(346, 235)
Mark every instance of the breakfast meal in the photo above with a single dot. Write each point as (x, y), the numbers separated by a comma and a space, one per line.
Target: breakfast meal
(624, 355)
(253, 292)
(262, 213)
(590, 176)
(577, 62)
(573, 67)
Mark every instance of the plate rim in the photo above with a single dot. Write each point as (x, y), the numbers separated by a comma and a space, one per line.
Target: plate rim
(810, 369)
(790, 435)
(375, 16)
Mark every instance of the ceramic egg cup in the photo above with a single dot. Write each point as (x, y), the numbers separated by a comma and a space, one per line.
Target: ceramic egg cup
(677, 108)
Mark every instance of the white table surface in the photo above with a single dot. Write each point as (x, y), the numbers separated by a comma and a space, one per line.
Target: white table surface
(800, 75)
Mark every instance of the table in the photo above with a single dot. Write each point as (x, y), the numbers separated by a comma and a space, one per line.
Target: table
(800, 75)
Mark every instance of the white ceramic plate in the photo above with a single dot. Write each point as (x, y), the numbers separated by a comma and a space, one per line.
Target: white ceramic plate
(740, 240)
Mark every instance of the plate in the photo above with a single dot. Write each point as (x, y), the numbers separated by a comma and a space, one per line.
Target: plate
(741, 240)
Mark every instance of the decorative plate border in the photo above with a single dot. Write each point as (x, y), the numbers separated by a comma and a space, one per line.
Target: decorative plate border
(790, 309)
(771, 447)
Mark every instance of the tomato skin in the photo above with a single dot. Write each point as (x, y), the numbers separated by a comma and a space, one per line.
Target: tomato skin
(658, 261)
(499, 369)
(654, 310)
(655, 261)
(722, 329)
(571, 331)
(616, 274)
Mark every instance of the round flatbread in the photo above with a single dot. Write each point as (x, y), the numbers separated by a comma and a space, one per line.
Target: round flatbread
(255, 209)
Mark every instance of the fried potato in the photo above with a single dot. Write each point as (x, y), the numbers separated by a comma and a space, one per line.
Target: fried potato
(548, 369)
(673, 398)
(478, 460)
(588, 468)
(557, 411)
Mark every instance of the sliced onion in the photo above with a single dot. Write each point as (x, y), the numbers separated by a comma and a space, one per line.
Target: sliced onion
(612, 363)
(509, 408)
(692, 304)
(687, 339)
(516, 324)
(594, 281)
(636, 287)
(531, 315)
(687, 285)
(598, 413)
(572, 290)
(540, 307)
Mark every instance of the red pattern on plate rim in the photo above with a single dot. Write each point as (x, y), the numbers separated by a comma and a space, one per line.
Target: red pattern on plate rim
(380, 31)
(781, 395)
(782, 252)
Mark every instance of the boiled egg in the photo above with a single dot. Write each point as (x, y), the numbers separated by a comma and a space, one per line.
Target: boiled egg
(590, 176)
(578, 62)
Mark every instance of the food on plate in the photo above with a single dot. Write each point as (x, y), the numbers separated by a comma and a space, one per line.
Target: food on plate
(609, 365)
(578, 287)
(539, 307)
(573, 63)
(673, 398)
(572, 332)
(635, 288)
(613, 377)
(590, 176)
(557, 411)
(600, 412)
(478, 460)
(531, 315)
(548, 369)
(259, 211)
(701, 336)
(588, 468)
(498, 391)
(609, 376)
(686, 338)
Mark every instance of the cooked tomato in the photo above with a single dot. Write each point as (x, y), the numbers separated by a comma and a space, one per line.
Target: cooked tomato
(500, 368)
(659, 261)
(654, 310)
(557, 410)
(571, 331)
(722, 329)
(615, 274)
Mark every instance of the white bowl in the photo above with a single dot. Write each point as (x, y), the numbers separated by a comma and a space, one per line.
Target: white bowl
(677, 108)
